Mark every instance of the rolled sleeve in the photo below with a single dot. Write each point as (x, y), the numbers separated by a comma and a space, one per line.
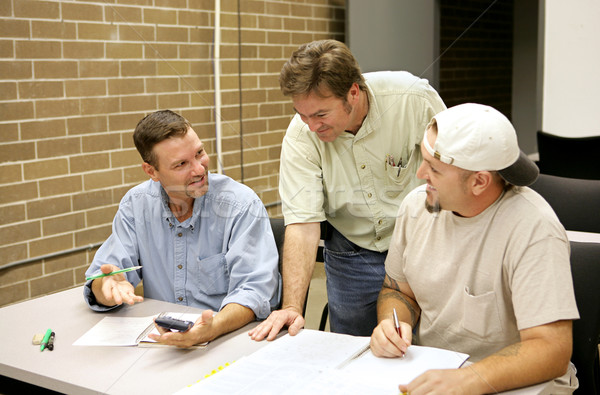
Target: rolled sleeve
(301, 179)
(252, 262)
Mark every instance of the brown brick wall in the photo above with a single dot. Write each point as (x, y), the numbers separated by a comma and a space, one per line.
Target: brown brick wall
(75, 77)
(477, 66)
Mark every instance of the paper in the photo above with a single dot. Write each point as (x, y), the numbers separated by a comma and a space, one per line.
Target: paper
(125, 331)
(322, 362)
(394, 371)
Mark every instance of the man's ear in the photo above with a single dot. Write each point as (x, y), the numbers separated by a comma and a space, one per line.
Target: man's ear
(150, 170)
(353, 93)
(480, 181)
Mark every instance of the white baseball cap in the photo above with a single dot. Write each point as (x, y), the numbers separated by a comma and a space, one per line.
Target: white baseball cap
(480, 138)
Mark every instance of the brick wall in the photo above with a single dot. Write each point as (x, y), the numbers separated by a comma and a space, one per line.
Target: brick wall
(75, 78)
(477, 66)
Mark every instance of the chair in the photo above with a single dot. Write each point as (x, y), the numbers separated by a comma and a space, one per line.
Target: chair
(574, 157)
(585, 268)
(278, 227)
(576, 202)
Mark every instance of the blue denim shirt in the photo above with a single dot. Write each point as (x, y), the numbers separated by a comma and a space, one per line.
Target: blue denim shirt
(224, 253)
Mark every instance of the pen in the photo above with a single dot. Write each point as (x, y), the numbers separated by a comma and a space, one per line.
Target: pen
(51, 342)
(397, 325)
(44, 342)
(129, 269)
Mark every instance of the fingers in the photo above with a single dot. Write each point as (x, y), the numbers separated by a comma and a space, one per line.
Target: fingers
(387, 343)
(177, 339)
(206, 317)
(119, 291)
(296, 326)
(275, 322)
(107, 268)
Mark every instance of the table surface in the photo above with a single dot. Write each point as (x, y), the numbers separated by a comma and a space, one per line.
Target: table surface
(112, 370)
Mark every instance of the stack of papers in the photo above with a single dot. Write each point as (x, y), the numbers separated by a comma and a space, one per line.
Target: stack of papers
(323, 362)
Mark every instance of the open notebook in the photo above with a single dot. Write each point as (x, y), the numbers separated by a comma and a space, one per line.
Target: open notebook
(325, 363)
(128, 331)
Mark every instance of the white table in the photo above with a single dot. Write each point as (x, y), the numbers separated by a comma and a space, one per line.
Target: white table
(112, 370)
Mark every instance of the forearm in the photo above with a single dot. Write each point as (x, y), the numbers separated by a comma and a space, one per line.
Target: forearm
(299, 256)
(391, 297)
(533, 360)
(231, 317)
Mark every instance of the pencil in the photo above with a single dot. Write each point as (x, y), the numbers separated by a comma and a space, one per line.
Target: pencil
(129, 269)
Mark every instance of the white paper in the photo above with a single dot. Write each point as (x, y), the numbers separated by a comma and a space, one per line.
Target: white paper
(394, 371)
(124, 331)
(322, 362)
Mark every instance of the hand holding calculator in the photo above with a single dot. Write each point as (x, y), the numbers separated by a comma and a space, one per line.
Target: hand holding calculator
(171, 323)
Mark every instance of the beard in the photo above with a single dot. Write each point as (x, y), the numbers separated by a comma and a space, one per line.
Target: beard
(196, 193)
(434, 207)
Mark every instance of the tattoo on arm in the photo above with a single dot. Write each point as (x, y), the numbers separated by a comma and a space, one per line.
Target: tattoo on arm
(510, 351)
(394, 292)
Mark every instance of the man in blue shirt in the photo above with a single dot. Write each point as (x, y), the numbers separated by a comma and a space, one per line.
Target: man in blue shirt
(210, 248)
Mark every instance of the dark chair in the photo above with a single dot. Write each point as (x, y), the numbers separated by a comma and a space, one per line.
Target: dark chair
(576, 202)
(585, 268)
(278, 227)
(574, 157)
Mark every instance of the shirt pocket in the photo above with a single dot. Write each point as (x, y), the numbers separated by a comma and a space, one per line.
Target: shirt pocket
(398, 177)
(211, 275)
(480, 314)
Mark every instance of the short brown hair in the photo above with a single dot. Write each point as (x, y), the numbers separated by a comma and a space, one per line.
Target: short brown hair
(156, 127)
(321, 64)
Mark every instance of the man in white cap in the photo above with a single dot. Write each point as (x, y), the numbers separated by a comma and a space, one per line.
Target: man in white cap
(478, 263)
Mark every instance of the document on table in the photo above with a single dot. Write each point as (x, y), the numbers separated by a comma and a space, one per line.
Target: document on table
(323, 362)
(126, 331)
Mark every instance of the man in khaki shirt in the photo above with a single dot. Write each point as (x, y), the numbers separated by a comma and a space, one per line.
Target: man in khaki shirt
(349, 157)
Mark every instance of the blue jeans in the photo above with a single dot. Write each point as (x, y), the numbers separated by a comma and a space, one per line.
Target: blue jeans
(354, 279)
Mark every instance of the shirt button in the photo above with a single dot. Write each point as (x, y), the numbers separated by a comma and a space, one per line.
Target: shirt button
(180, 298)
(180, 234)
(378, 237)
(179, 266)
(380, 221)
(363, 166)
(369, 194)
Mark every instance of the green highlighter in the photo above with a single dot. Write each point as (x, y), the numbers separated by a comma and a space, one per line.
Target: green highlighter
(44, 342)
(129, 269)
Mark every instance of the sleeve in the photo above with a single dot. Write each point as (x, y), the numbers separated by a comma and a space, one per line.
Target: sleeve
(541, 283)
(403, 229)
(120, 249)
(300, 178)
(252, 261)
(394, 261)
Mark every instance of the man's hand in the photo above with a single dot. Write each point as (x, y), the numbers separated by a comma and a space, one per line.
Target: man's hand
(275, 322)
(387, 343)
(442, 381)
(201, 332)
(114, 290)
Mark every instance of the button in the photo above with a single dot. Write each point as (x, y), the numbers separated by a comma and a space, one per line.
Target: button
(363, 166)
(378, 238)
(380, 221)
(179, 234)
(369, 194)
(180, 298)
(179, 266)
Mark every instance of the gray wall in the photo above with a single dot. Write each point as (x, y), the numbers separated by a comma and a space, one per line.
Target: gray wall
(394, 35)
